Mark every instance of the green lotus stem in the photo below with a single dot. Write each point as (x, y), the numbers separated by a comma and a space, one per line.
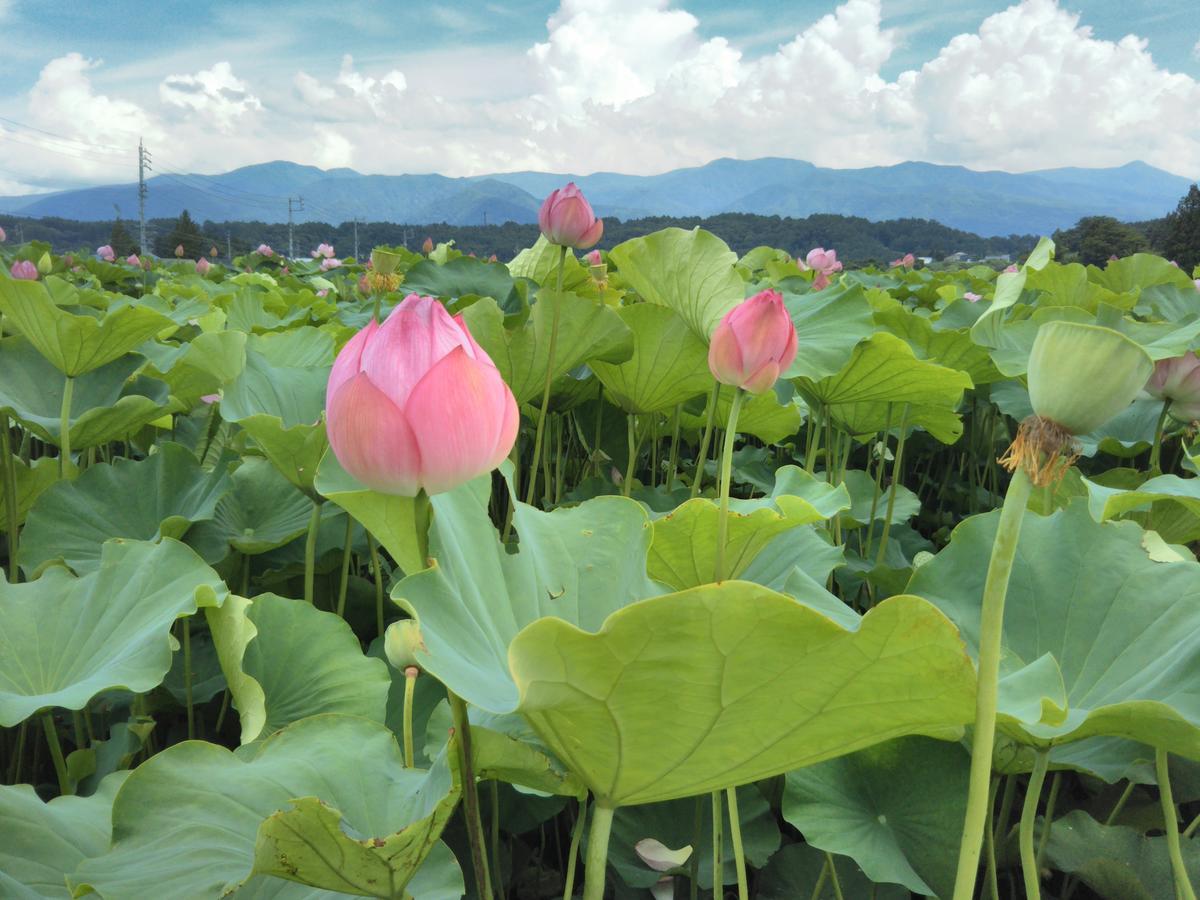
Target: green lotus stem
(64, 428)
(697, 833)
(14, 769)
(186, 628)
(673, 464)
(495, 785)
(820, 885)
(1029, 867)
(599, 430)
(410, 686)
(462, 727)
(1156, 449)
(223, 711)
(879, 467)
(991, 628)
(310, 553)
(556, 497)
(56, 754)
(541, 423)
(344, 579)
(1183, 884)
(989, 838)
(892, 488)
(735, 834)
(378, 304)
(1048, 818)
(374, 552)
(597, 852)
(1187, 832)
(547, 483)
(718, 867)
(632, 442)
(726, 477)
(573, 854)
(246, 575)
(9, 472)
(833, 877)
(702, 454)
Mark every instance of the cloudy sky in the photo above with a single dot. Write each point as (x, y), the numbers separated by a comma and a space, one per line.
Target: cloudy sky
(578, 86)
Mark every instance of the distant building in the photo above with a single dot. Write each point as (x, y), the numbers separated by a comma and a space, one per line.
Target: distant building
(958, 257)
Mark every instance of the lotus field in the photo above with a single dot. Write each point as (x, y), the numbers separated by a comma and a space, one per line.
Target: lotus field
(617, 573)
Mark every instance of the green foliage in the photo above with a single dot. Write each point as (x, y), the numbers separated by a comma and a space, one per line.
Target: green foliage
(1181, 240)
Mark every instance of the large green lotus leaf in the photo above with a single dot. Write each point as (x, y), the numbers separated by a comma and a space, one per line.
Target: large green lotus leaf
(76, 344)
(285, 377)
(861, 487)
(1170, 302)
(761, 415)
(987, 328)
(1142, 270)
(296, 452)
(32, 481)
(65, 639)
(798, 563)
(884, 372)
(587, 330)
(579, 563)
(284, 660)
(1087, 601)
(682, 554)
(44, 842)
(1115, 861)
(798, 869)
(248, 312)
(896, 809)
(674, 824)
(669, 363)
(1068, 285)
(829, 324)
(259, 512)
(951, 348)
(691, 272)
(203, 366)
(352, 764)
(539, 263)
(391, 519)
(1174, 503)
(160, 496)
(462, 277)
(731, 683)
(105, 404)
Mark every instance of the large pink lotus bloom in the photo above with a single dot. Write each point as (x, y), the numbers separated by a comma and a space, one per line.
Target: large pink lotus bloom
(566, 219)
(24, 270)
(323, 250)
(415, 404)
(329, 263)
(132, 260)
(824, 263)
(1178, 380)
(754, 343)
(265, 250)
(106, 253)
(202, 266)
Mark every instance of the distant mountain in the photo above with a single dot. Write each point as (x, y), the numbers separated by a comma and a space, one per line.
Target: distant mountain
(986, 203)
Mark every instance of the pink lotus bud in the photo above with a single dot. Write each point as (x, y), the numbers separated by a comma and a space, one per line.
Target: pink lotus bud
(210, 398)
(3, 236)
(324, 292)
(566, 219)
(971, 297)
(415, 404)
(202, 266)
(106, 253)
(327, 264)
(427, 246)
(363, 284)
(1011, 268)
(132, 260)
(594, 258)
(179, 251)
(24, 270)
(492, 258)
(754, 342)
(907, 261)
(1178, 380)
(213, 252)
(265, 250)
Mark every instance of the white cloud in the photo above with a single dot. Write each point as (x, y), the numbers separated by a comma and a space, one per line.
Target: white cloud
(352, 94)
(215, 93)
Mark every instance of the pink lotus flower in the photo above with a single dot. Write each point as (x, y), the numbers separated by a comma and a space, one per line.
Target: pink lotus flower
(416, 404)
(324, 292)
(202, 266)
(427, 246)
(907, 261)
(567, 220)
(283, 271)
(132, 260)
(1178, 380)
(594, 258)
(363, 284)
(3, 236)
(327, 264)
(24, 270)
(210, 399)
(824, 263)
(106, 253)
(1012, 267)
(492, 258)
(971, 297)
(755, 341)
(265, 250)
(179, 251)
(323, 250)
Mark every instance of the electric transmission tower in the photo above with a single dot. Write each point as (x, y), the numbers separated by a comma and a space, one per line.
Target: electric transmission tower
(143, 165)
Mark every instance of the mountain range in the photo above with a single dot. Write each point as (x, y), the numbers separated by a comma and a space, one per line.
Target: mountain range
(986, 203)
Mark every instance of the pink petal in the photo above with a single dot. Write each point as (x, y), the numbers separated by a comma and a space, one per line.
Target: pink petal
(372, 439)
(416, 334)
(349, 360)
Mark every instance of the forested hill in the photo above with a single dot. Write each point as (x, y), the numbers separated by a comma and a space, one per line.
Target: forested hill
(856, 239)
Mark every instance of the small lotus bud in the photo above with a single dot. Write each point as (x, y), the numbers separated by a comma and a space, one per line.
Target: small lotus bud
(45, 264)
(179, 251)
(427, 247)
(401, 643)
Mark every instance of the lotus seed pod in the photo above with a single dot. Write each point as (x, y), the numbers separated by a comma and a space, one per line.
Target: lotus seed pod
(1080, 376)
(401, 642)
(385, 262)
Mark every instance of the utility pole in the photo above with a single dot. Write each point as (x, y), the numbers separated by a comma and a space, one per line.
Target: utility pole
(143, 165)
(485, 218)
(356, 237)
(294, 205)
(229, 245)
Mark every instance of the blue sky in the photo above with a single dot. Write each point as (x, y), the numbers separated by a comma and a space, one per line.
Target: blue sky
(585, 85)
